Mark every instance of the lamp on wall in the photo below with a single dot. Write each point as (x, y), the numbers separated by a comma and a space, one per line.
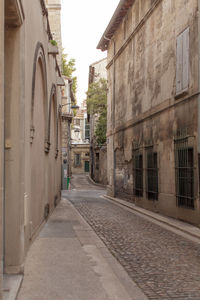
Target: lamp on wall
(71, 106)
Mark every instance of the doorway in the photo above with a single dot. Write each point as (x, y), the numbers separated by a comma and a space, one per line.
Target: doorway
(87, 166)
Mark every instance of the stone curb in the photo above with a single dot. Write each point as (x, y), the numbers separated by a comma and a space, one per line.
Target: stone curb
(93, 182)
(182, 226)
(12, 285)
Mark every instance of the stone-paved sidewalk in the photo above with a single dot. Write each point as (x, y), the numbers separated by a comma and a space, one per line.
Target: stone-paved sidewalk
(164, 264)
(69, 262)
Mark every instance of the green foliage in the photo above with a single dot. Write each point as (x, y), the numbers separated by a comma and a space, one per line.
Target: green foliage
(53, 42)
(101, 128)
(68, 68)
(97, 96)
(97, 104)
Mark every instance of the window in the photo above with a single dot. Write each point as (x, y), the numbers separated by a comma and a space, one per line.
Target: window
(138, 174)
(77, 159)
(152, 175)
(87, 130)
(182, 62)
(77, 122)
(184, 171)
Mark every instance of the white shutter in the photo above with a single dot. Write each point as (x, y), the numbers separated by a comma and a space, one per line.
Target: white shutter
(185, 59)
(179, 63)
(182, 61)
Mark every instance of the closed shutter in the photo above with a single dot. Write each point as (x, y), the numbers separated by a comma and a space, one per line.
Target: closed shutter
(185, 59)
(179, 63)
(182, 62)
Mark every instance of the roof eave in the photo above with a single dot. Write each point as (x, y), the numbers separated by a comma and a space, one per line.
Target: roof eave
(114, 23)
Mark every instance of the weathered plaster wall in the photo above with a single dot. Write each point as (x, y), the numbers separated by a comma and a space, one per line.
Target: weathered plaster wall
(142, 105)
(100, 165)
(149, 77)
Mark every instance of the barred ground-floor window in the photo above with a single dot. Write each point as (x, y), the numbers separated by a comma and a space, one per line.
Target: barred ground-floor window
(152, 174)
(184, 171)
(138, 173)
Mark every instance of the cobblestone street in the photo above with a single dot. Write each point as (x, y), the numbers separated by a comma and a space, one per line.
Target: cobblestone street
(163, 264)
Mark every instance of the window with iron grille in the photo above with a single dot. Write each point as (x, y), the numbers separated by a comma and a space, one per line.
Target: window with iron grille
(138, 174)
(152, 175)
(184, 171)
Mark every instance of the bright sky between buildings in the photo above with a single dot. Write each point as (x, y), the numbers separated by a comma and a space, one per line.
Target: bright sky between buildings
(83, 24)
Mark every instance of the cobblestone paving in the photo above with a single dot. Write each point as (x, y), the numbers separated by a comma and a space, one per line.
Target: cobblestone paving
(163, 264)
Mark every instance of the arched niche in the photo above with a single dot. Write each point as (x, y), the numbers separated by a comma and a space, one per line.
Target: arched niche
(39, 59)
(53, 108)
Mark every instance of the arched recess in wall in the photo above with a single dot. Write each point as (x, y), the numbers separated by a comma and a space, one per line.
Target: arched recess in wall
(53, 122)
(39, 131)
(39, 58)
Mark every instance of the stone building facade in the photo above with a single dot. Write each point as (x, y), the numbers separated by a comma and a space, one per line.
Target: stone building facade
(30, 128)
(98, 154)
(54, 15)
(67, 114)
(153, 105)
(80, 158)
(80, 146)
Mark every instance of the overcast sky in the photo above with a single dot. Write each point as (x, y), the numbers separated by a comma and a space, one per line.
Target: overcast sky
(83, 24)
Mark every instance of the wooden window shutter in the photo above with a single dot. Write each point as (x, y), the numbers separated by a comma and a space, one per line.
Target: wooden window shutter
(185, 59)
(182, 61)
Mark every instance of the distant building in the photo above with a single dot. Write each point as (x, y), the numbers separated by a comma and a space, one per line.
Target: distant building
(153, 105)
(67, 114)
(98, 153)
(80, 146)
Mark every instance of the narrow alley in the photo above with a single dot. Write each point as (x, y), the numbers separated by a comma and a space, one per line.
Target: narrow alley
(68, 261)
(162, 262)
(100, 150)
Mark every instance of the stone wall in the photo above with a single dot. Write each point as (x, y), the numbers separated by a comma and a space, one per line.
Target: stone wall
(98, 155)
(82, 150)
(145, 108)
(54, 13)
(32, 128)
(99, 164)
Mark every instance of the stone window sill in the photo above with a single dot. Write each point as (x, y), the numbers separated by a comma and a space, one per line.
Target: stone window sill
(181, 94)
